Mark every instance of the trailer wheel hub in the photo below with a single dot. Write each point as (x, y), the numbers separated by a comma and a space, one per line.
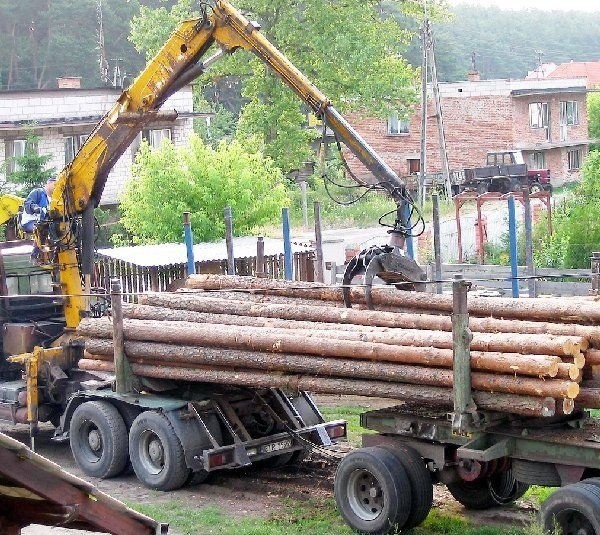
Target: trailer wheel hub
(95, 440)
(156, 452)
(365, 495)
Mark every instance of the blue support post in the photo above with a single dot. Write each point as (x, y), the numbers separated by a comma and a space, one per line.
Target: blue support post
(189, 243)
(512, 235)
(287, 245)
(410, 251)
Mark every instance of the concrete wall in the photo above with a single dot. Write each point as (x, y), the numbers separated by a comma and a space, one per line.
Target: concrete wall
(58, 114)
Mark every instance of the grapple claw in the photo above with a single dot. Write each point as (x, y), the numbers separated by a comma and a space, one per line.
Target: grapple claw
(382, 262)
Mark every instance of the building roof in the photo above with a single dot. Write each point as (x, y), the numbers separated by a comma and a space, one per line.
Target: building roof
(547, 145)
(34, 490)
(166, 254)
(579, 69)
(547, 91)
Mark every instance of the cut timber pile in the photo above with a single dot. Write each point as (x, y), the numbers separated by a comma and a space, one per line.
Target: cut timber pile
(532, 357)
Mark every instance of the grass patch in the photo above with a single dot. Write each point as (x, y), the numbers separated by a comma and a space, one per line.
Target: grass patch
(539, 494)
(444, 523)
(295, 518)
(352, 415)
(306, 518)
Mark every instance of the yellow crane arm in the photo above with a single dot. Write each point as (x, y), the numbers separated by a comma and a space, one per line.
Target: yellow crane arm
(177, 63)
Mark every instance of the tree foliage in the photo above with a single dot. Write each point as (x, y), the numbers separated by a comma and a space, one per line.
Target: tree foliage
(593, 109)
(44, 39)
(196, 178)
(350, 50)
(31, 168)
(576, 224)
(506, 42)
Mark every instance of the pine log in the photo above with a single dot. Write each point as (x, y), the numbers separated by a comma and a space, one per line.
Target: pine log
(160, 354)
(257, 339)
(426, 395)
(592, 357)
(589, 398)
(517, 343)
(368, 319)
(552, 309)
(569, 371)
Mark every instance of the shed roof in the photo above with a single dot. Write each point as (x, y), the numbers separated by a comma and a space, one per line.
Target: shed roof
(166, 254)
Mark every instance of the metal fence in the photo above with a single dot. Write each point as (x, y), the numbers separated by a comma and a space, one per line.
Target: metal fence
(138, 279)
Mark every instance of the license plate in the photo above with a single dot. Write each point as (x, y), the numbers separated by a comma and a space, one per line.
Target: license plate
(276, 446)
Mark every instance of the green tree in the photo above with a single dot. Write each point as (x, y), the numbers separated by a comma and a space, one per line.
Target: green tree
(593, 108)
(358, 65)
(576, 224)
(30, 168)
(199, 179)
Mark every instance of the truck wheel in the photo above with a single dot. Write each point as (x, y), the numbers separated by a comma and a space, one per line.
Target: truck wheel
(572, 509)
(420, 483)
(482, 188)
(498, 489)
(535, 473)
(535, 187)
(372, 491)
(98, 438)
(156, 453)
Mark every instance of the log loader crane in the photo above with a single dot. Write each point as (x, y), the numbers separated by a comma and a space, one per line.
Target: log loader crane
(176, 431)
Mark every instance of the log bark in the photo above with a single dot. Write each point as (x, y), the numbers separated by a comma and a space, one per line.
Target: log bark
(588, 398)
(257, 339)
(185, 356)
(427, 395)
(592, 357)
(361, 319)
(571, 311)
(529, 344)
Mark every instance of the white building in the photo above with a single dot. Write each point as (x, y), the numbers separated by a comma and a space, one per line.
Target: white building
(64, 117)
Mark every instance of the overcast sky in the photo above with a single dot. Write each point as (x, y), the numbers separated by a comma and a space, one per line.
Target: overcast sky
(584, 5)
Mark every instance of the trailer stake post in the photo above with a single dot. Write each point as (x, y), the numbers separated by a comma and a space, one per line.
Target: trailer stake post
(464, 406)
(123, 373)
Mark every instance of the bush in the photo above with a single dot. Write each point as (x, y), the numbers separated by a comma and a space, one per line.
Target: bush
(576, 224)
(171, 180)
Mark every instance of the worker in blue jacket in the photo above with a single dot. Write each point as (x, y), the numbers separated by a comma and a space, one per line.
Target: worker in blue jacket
(36, 205)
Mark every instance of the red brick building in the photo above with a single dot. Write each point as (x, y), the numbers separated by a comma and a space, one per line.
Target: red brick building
(546, 119)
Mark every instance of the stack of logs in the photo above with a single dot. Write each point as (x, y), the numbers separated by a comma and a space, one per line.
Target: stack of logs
(532, 357)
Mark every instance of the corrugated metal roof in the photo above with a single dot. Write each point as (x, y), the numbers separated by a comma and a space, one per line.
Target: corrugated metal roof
(165, 254)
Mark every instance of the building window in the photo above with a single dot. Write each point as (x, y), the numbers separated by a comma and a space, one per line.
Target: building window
(569, 112)
(13, 149)
(538, 115)
(538, 160)
(414, 166)
(396, 125)
(155, 137)
(72, 146)
(574, 159)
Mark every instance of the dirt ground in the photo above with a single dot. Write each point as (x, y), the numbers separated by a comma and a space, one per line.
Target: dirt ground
(254, 492)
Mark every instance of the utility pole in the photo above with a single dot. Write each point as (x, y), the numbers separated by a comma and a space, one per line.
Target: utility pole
(103, 63)
(424, 77)
(438, 111)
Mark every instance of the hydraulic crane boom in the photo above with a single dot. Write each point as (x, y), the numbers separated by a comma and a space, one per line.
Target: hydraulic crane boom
(80, 184)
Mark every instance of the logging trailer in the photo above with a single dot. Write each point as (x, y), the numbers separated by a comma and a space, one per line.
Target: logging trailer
(174, 432)
(486, 459)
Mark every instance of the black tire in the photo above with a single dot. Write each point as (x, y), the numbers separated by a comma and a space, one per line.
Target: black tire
(372, 491)
(420, 483)
(482, 188)
(156, 453)
(499, 489)
(534, 473)
(98, 438)
(535, 187)
(572, 509)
